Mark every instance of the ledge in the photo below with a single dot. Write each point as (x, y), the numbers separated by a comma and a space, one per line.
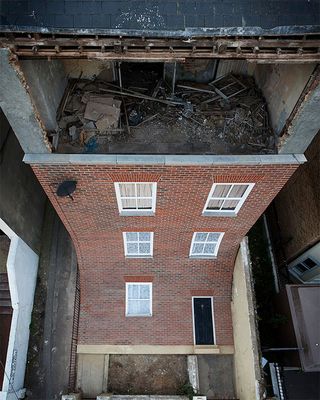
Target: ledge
(153, 349)
(167, 160)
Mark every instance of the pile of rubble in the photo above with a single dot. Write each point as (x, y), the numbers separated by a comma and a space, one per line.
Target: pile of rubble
(229, 110)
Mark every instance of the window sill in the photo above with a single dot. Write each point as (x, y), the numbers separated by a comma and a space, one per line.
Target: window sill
(137, 256)
(203, 257)
(138, 315)
(137, 213)
(218, 214)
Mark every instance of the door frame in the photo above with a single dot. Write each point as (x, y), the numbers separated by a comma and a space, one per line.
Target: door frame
(193, 321)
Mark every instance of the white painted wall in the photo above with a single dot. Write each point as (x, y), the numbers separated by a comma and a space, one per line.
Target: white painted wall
(22, 266)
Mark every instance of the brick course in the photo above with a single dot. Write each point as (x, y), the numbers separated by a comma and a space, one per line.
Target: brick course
(95, 226)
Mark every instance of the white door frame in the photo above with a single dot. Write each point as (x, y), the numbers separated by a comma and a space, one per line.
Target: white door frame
(193, 320)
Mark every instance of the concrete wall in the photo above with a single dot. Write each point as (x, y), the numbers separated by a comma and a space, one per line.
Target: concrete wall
(47, 82)
(246, 354)
(21, 196)
(282, 85)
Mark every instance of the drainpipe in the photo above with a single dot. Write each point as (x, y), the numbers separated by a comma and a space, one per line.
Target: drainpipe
(271, 254)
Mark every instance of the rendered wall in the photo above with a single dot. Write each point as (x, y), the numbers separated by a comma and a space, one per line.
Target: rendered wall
(96, 228)
(47, 82)
(246, 355)
(282, 85)
(21, 196)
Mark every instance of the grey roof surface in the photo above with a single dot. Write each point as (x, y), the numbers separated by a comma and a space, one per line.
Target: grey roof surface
(184, 16)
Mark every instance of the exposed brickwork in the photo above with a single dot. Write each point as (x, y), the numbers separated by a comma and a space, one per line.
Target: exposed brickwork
(95, 225)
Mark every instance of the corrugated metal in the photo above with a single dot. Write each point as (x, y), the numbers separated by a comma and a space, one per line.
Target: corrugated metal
(235, 66)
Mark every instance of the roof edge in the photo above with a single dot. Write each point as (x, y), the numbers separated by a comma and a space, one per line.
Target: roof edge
(165, 160)
(186, 33)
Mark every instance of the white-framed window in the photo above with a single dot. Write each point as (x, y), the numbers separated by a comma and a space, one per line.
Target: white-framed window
(205, 244)
(138, 244)
(138, 299)
(306, 270)
(226, 198)
(136, 198)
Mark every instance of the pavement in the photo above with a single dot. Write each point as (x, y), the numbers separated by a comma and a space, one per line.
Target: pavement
(216, 376)
(47, 375)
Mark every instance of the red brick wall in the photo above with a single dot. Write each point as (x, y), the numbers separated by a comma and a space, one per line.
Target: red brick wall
(96, 228)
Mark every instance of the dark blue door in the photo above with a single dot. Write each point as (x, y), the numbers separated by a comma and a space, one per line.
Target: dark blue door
(203, 324)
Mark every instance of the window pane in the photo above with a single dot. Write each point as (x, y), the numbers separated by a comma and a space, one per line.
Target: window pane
(238, 190)
(197, 248)
(133, 307)
(221, 190)
(144, 189)
(214, 204)
(144, 248)
(133, 291)
(309, 263)
(144, 307)
(128, 204)
(132, 236)
(127, 189)
(200, 237)
(209, 248)
(132, 248)
(301, 268)
(230, 204)
(213, 237)
(144, 236)
(145, 204)
(144, 292)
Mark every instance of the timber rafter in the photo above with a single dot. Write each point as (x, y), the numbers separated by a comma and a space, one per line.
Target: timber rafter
(298, 48)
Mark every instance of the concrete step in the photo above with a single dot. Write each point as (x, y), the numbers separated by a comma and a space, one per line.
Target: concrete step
(4, 286)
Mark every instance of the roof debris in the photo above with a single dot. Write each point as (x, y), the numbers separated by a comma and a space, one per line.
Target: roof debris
(226, 116)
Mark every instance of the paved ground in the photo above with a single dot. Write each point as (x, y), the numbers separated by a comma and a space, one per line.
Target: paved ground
(51, 327)
(216, 376)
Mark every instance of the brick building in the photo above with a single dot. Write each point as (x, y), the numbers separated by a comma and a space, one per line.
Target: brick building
(157, 224)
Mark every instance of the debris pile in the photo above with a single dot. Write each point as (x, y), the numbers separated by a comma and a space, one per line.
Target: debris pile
(228, 115)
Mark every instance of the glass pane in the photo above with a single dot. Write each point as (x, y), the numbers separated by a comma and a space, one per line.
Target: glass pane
(200, 237)
(213, 237)
(132, 248)
(209, 248)
(197, 248)
(127, 189)
(133, 307)
(144, 292)
(301, 268)
(145, 204)
(214, 204)
(230, 204)
(133, 291)
(144, 236)
(144, 248)
(221, 191)
(132, 236)
(144, 307)
(144, 189)
(309, 263)
(238, 191)
(128, 204)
